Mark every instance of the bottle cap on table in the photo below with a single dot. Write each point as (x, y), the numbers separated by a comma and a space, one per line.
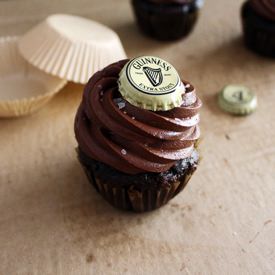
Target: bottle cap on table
(151, 83)
(238, 100)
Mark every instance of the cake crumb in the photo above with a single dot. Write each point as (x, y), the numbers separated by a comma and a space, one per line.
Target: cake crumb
(227, 137)
(90, 258)
(267, 222)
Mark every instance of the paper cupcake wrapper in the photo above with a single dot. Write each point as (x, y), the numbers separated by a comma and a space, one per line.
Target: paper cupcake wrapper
(131, 199)
(71, 47)
(162, 24)
(24, 107)
(259, 34)
(24, 89)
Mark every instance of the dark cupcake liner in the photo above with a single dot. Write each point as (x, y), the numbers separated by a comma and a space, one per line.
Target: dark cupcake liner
(259, 33)
(131, 199)
(135, 196)
(166, 22)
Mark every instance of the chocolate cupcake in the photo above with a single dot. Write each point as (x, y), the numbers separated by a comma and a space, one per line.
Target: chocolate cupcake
(137, 127)
(166, 19)
(258, 18)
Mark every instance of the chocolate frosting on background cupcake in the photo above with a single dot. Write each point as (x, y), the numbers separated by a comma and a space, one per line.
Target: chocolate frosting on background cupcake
(130, 139)
(265, 8)
(172, 1)
(188, 3)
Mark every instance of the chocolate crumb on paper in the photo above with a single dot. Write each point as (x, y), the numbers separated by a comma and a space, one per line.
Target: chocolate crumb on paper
(90, 258)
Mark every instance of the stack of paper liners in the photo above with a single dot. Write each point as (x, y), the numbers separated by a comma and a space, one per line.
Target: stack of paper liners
(71, 47)
(24, 89)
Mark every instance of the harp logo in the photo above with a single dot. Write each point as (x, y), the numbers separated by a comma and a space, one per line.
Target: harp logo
(152, 75)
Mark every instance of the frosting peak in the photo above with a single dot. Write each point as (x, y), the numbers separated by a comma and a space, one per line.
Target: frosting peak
(265, 8)
(130, 139)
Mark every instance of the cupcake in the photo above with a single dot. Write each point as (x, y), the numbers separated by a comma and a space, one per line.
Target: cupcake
(258, 18)
(136, 128)
(166, 19)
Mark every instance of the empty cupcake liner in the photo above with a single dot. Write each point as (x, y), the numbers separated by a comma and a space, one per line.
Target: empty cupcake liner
(71, 47)
(24, 89)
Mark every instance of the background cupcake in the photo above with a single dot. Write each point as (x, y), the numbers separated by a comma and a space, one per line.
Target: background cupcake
(140, 155)
(166, 19)
(258, 18)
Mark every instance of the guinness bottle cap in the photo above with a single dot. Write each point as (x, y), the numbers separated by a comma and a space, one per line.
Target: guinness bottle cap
(238, 100)
(151, 83)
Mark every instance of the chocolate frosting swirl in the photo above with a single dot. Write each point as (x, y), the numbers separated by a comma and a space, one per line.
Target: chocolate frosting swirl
(130, 139)
(265, 8)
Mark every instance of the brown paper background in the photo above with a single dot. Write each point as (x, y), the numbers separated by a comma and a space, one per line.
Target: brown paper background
(53, 222)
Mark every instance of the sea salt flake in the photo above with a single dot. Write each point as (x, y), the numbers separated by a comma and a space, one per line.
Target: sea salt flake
(123, 152)
(121, 105)
(133, 117)
(185, 8)
(119, 102)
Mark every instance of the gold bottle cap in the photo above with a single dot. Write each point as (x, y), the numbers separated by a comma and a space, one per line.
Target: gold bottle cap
(238, 100)
(151, 83)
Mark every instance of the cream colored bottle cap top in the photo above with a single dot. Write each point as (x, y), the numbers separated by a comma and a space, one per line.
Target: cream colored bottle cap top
(238, 100)
(151, 83)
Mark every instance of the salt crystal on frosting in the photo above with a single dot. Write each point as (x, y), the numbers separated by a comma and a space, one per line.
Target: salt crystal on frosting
(123, 152)
(120, 103)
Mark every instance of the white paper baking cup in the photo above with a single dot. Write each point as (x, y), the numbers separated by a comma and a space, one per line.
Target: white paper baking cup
(71, 47)
(23, 88)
